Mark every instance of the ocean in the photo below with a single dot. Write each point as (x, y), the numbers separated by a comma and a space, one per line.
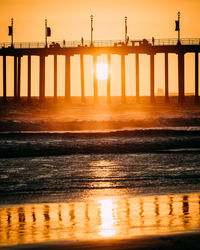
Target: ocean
(93, 185)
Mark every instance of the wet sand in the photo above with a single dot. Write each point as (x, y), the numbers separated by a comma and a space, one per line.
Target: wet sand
(175, 241)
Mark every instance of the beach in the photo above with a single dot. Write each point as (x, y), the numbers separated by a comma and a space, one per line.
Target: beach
(180, 241)
(99, 176)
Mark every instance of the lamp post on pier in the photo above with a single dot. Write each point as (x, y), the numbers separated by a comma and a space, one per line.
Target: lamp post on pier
(10, 32)
(92, 18)
(126, 37)
(177, 22)
(47, 32)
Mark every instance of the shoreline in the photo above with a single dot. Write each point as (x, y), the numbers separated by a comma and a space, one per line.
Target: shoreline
(183, 241)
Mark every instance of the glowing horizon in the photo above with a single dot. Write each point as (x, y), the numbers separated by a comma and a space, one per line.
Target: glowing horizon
(71, 21)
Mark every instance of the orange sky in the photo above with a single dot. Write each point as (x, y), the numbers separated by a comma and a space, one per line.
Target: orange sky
(70, 20)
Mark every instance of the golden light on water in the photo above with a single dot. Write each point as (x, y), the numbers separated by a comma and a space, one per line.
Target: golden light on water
(108, 218)
(100, 218)
(102, 169)
(102, 163)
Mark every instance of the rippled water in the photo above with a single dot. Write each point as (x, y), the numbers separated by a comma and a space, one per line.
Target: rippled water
(91, 192)
(128, 141)
(55, 179)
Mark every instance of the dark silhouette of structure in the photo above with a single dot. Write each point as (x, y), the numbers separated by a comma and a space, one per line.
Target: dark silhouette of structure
(96, 48)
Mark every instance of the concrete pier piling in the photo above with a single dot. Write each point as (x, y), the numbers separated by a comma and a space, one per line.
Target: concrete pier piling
(137, 78)
(123, 80)
(196, 78)
(82, 78)
(19, 78)
(4, 80)
(166, 78)
(67, 79)
(152, 79)
(181, 78)
(29, 78)
(109, 79)
(55, 78)
(95, 82)
(42, 79)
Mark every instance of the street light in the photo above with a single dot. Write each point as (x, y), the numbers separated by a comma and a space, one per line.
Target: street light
(125, 29)
(47, 32)
(91, 30)
(10, 32)
(177, 22)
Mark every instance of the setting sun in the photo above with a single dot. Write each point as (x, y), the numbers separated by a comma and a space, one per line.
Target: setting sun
(102, 71)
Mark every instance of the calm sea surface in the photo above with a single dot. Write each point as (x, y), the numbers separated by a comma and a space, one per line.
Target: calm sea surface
(74, 186)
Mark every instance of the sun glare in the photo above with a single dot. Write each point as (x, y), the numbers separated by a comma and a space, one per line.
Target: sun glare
(102, 71)
(108, 218)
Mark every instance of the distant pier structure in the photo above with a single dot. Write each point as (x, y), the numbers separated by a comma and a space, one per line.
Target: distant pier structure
(97, 48)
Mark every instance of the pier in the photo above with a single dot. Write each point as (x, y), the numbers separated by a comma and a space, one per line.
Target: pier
(94, 48)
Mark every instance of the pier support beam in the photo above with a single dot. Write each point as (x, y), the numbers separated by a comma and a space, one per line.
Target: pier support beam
(42, 79)
(123, 81)
(82, 79)
(19, 78)
(67, 79)
(108, 80)
(29, 78)
(55, 78)
(15, 79)
(137, 78)
(196, 78)
(181, 79)
(4, 79)
(95, 79)
(166, 78)
(152, 78)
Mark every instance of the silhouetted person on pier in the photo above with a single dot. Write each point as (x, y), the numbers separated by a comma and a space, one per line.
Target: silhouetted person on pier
(82, 41)
(127, 40)
(153, 41)
(64, 43)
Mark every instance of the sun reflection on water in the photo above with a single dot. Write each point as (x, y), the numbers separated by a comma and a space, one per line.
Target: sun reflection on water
(102, 169)
(114, 217)
(108, 218)
(102, 163)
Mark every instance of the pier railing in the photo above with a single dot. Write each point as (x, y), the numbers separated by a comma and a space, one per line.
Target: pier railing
(101, 43)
